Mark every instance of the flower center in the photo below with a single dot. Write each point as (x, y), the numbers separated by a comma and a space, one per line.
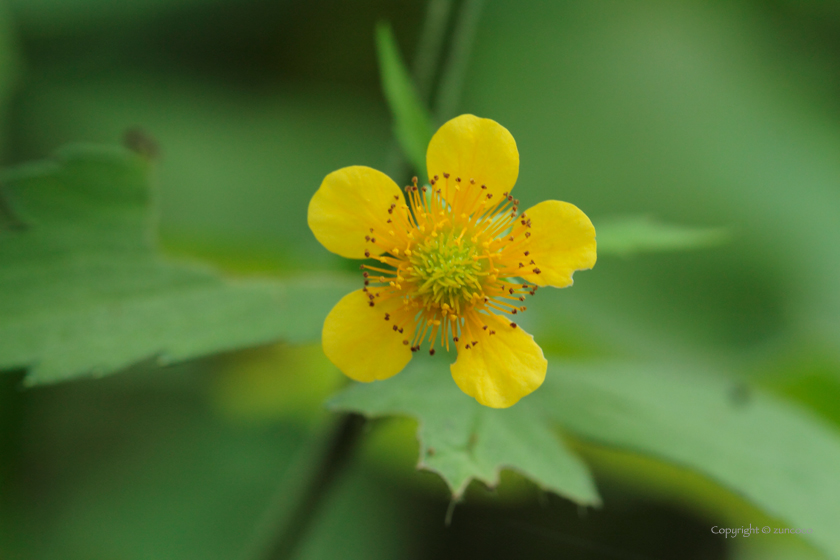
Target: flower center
(448, 253)
(446, 269)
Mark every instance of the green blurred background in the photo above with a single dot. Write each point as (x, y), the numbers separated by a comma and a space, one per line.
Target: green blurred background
(695, 113)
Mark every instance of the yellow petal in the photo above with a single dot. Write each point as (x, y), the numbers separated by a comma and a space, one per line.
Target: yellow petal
(473, 148)
(348, 204)
(361, 343)
(503, 367)
(562, 241)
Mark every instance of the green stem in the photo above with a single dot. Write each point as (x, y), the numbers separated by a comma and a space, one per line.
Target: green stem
(426, 67)
(455, 70)
(305, 485)
(430, 45)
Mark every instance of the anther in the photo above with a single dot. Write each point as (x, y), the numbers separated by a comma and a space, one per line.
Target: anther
(526, 254)
(527, 234)
(513, 325)
(483, 328)
(405, 342)
(367, 237)
(457, 179)
(436, 177)
(373, 240)
(484, 187)
(455, 338)
(395, 328)
(371, 304)
(537, 271)
(474, 342)
(492, 333)
(513, 312)
(367, 253)
(489, 196)
(446, 175)
(432, 352)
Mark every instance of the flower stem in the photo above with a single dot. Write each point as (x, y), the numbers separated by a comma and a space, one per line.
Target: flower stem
(455, 69)
(309, 479)
(430, 45)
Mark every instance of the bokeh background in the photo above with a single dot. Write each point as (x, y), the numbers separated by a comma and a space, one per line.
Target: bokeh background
(695, 113)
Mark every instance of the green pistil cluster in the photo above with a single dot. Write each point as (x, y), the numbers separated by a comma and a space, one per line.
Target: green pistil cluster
(445, 269)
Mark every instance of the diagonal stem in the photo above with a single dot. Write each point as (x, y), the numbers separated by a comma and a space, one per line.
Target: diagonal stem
(298, 497)
(455, 69)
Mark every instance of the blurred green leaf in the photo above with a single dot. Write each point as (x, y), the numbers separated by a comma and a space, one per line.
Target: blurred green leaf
(641, 234)
(137, 466)
(268, 382)
(412, 122)
(778, 456)
(462, 440)
(82, 290)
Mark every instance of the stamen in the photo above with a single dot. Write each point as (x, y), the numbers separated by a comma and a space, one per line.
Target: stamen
(447, 260)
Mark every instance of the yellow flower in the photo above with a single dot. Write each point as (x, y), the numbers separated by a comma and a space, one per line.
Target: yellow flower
(449, 257)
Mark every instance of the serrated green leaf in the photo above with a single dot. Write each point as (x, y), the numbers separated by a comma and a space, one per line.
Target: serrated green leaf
(82, 290)
(776, 455)
(412, 123)
(462, 440)
(634, 235)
